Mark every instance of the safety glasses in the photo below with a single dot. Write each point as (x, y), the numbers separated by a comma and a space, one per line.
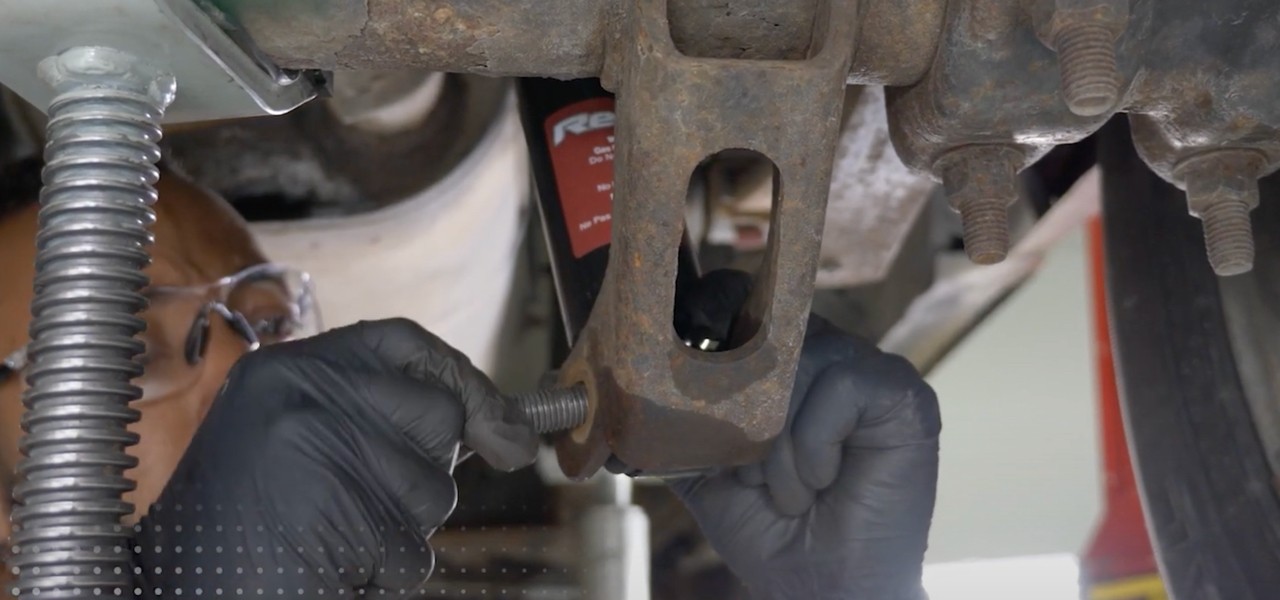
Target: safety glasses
(261, 305)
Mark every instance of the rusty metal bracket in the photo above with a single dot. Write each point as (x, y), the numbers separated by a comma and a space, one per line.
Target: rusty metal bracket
(657, 405)
(568, 39)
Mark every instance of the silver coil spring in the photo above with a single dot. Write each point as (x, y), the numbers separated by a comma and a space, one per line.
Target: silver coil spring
(95, 215)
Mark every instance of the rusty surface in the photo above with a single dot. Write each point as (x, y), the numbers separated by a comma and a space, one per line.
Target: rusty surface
(992, 82)
(1196, 77)
(897, 41)
(496, 37)
(658, 405)
(980, 182)
(568, 38)
(748, 29)
(1217, 93)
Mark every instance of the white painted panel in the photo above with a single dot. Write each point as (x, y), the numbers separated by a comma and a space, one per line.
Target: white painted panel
(1020, 451)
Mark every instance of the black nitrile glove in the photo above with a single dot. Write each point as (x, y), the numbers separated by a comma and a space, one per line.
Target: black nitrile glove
(841, 506)
(323, 467)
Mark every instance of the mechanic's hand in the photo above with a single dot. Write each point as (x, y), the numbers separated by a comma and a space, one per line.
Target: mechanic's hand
(323, 467)
(841, 506)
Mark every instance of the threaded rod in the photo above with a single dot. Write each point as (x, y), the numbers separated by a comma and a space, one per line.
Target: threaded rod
(1228, 237)
(554, 410)
(95, 213)
(1087, 59)
(986, 230)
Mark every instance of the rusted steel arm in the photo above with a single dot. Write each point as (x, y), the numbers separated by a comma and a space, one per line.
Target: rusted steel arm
(568, 38)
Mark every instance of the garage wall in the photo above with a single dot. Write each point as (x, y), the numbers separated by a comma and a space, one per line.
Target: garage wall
(1021, 466)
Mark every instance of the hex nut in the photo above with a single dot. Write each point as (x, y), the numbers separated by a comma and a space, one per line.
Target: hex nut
(1222, 189)
(980, 182)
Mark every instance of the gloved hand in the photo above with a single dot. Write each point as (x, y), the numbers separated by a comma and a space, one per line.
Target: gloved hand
(323, 467)
(841, 506)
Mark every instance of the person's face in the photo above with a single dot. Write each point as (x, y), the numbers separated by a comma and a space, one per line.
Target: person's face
(198, 239)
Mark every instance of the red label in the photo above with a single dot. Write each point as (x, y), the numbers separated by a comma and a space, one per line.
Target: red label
(580, 137)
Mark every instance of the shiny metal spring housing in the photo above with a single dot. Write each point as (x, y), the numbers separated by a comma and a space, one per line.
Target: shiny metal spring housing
(95, 215)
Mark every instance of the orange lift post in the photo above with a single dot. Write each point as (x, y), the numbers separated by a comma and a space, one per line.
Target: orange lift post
(1118, 563)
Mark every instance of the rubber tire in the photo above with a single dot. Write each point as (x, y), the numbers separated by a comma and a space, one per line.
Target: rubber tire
(1208, 492)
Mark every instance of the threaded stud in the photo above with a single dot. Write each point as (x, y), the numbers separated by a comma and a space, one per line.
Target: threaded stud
(1087, 59)
(1222, 188)
(1228, 237)
(981, 182)
(554, 410)
(986, 230)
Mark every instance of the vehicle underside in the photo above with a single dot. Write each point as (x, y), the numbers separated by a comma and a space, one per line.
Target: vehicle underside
(847, 153)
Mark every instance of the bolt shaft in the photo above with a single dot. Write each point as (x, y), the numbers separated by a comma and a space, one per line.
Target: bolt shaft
(980, 182)
(554, 410)
(95, 213)
(986, 230)
(1228, 237)
(1087, 59)
(1222, 189)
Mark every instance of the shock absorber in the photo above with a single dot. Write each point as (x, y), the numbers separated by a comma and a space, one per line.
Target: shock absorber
(95, 217)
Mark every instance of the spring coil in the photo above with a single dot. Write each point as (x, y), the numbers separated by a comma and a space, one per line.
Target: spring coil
(95, 214)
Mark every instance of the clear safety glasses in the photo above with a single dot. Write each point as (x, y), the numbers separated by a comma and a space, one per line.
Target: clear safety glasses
(262, 305)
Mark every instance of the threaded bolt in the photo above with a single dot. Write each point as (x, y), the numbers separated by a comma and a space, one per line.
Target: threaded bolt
(1228, 236)
(986, 230)
(981, 182)
(554, 410)
(1087, 59)
(1222, 188)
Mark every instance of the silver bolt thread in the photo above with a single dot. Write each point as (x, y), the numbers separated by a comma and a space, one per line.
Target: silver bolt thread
(1087, 59)
(1228, 237)
(986, 230)
(554, 410)
(95, 212)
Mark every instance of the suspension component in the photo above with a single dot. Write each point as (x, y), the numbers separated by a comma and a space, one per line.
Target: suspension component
(981, 182)
(104, 125)
(569, 127)
(1221, 183)
(1222, 189)
(658, 405)
(1084, 33)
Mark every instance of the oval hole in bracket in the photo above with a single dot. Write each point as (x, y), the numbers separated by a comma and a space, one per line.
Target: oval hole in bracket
(732, 197)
